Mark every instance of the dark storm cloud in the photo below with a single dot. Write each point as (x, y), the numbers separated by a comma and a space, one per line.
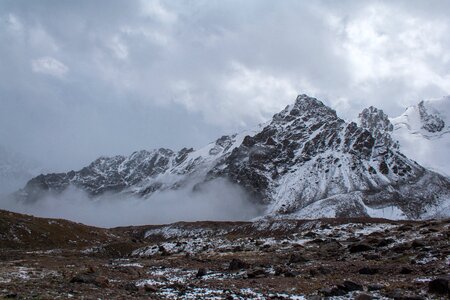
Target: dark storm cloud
(84, 78)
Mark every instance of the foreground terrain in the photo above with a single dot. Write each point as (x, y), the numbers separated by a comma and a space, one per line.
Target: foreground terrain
(265, 259)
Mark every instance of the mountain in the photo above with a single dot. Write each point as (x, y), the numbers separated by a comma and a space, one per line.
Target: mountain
(15, 170)
(306, 162)
(423, 132)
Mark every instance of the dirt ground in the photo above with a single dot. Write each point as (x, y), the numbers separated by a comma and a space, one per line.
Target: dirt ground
(267, 259)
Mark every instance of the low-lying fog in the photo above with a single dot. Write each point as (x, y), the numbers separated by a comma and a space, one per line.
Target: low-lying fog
(217, 200)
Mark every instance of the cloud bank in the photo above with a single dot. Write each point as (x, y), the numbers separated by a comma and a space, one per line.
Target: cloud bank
(217, 200)
(76, 83)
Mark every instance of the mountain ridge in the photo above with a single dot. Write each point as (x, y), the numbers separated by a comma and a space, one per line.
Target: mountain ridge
(306, 159)
(423, 132)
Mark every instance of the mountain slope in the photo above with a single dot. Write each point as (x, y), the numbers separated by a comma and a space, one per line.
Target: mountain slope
(423, 132)
(306, 162)
(309, 162)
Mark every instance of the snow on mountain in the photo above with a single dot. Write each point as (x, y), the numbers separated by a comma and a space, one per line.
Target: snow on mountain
(306, 162)
(309, 161)
(423, 132)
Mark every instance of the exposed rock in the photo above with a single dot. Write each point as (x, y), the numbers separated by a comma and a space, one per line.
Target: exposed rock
(306, 161)
(385, 242)
(297, 258)
(406, 270)
(363, 296)
(237, 264)
(201, 272)
(131, 287)
(334, 291)
(439, 286)
(320, 271)
(375, 287)
(360, 247)
(368, 271)
(150, 288)
(90, 278)
(350, 286)
(256, 273)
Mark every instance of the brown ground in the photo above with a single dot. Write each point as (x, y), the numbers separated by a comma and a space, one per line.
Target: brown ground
(273, 259)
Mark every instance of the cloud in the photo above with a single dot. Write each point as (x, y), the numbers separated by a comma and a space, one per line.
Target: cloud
(49, 66)
(217, 200)
(146, 74)
(155, 9)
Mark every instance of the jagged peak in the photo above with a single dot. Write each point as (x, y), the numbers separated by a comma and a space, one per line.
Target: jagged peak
(374, 118)
(304, 106)
(305, 101)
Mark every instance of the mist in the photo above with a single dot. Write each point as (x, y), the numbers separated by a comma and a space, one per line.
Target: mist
(218, 200)
(76, 84)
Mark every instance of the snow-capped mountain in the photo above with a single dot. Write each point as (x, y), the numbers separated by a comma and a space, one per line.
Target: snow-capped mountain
(306, 162)
(423, 132)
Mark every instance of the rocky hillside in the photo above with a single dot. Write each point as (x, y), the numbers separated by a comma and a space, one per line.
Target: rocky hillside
(423, 131)
(267, 259)
(25, 232)
(306, 162)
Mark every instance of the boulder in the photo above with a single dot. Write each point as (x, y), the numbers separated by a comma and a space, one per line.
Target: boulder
(360, 247)
(439, 286)
(368, 271)
(237, 264)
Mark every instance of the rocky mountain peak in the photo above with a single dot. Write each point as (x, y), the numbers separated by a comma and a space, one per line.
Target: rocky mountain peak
(306, 161)
(380, 127)
(304, 100)
(375, 120)
(306, 109)
(431, 120)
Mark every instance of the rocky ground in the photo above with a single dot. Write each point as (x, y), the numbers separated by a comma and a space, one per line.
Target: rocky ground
(266, 259)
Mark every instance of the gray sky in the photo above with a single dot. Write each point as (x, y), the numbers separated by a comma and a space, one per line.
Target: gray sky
(79, 79)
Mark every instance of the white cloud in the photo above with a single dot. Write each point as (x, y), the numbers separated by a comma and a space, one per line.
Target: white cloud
(155, 9)
(240, 96)
(218, 66)
(13, 23)
(50, 66)
(40, 39)
(118, 47)
(382, 42)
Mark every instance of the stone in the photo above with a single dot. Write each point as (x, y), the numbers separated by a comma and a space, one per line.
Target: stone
(417, 244)
(90, 278)
(439, 286)
(406, 270)
(297, 258)
(363, 296)
(351, 286)
(385, 242)
(131, 287)
(368, 271)
(256, 273)
(375, 287)
(201, 272)
(335, 291)
(150, 288)
(360, 247)
(237, 264)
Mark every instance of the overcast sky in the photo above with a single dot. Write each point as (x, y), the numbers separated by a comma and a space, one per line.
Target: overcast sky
(79, 79)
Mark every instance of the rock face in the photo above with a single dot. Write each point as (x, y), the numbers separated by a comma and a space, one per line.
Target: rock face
(306, 162)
